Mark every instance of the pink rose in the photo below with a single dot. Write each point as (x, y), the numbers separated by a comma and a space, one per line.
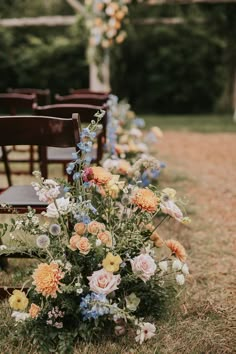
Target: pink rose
(143, 266)
(103, 282)
(170, 208)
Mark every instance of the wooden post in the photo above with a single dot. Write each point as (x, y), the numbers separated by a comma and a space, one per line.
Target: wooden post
(99, 77)
(234, 97)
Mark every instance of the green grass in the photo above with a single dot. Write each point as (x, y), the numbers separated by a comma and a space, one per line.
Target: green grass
(212, 123)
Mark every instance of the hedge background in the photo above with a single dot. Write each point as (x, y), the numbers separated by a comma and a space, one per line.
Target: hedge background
(159, 68)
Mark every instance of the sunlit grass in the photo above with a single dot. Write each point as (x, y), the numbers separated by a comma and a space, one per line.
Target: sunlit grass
(199, 123)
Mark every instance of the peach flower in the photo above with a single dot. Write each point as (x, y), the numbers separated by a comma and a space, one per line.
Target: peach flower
(83, 245)
(156, 238)
(105, 238)
(170, 208)
(100, 175)
(145, 199)
(74, 242)
(123, 167)
(177, 249)
(47, 279)
(34, 310)
(143, 266)
(94, 227)
(103, 282)
(80, 228)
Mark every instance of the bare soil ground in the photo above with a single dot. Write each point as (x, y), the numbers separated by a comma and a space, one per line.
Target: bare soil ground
(202, 168)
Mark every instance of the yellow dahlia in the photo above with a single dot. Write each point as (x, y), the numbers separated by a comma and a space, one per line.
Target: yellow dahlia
(47, 279)
(18, 301)
(146, 200)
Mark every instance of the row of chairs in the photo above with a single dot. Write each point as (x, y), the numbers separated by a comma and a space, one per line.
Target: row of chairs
(85, 103)
(51, 127)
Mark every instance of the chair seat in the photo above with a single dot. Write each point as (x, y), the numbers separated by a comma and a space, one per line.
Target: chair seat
(60, 154)
(21, 196)
(65, 154)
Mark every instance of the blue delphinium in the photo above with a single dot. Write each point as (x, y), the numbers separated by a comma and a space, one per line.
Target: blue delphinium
(139, 122)
(93, 306)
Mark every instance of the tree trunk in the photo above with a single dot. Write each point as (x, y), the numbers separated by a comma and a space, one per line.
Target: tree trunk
(99, 77)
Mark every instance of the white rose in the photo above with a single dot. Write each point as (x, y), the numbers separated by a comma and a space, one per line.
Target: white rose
(180, 279)
(143, 266)
(185, 269)
(163, 266)
(177, 265)
(103, 282)
(62, 207)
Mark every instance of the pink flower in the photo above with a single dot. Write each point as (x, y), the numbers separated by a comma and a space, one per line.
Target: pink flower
(170, 208)
(143, 266)
(146, 331)
(103, 282)
(88, 174)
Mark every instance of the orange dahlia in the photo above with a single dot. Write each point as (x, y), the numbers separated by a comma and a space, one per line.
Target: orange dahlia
(100, 175)
(177, 249)
(47, 279)
(146, 200)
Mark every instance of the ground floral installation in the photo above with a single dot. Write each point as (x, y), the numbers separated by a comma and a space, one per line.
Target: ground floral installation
(103, 268)
(129, 145)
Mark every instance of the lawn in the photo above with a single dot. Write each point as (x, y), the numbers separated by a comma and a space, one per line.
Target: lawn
(199, 123)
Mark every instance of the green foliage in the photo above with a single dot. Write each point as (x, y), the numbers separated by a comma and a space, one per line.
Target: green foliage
(165, 68)
(170, 69)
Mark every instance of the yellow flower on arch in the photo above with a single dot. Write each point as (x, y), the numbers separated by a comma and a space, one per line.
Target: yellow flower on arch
(111, 263)
(18, 301)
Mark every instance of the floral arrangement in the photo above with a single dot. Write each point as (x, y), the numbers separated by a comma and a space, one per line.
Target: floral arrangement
(129, 151)
(105, 22)
(102, 265)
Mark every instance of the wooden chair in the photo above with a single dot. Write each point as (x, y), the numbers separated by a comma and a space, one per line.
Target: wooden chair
(42, 131)
(15, 103)
(88, 92)
(86, 113)
(96, 100)
(43, 96)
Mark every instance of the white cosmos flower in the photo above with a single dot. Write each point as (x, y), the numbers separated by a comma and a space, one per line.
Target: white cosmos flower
(177, 264)
(163, 265)
(20, 316)
(146, 331)
(180, 279)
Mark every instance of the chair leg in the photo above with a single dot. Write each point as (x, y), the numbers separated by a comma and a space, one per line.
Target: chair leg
(3, 261)
(31, 167)
(6, 165)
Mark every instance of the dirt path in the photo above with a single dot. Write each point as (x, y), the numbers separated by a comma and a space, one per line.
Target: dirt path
(203, 167)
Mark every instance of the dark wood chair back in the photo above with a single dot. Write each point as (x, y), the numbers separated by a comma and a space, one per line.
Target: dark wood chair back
(42, 131)
(96, 100)
(43, 96)
(12, 103)
(86, 113)
(88, 92)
